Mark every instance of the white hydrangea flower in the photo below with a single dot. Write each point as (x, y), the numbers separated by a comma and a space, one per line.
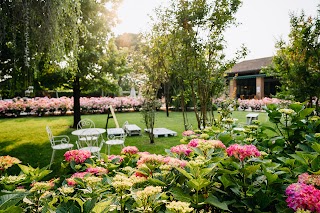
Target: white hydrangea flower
(179, 207)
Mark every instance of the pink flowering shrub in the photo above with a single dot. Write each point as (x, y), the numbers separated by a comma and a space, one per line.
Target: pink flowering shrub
(41, 105)
(174, 162)
(216, 144)
(303, 196)
(188, 133)
(181, 150)
(254, 104)
(150, 160)
(206, 144)
(131, 150)
(309, 179)
(7, 161)
(97, 170)
(243, 151)
(117, 158)
(72, 182)
(78, 156)
(194, 142)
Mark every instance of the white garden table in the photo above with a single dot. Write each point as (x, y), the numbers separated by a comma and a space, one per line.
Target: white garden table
(115, 131)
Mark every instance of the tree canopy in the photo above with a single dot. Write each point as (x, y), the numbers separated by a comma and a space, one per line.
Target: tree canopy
(187, 50)
(35, 37)
(297, 62)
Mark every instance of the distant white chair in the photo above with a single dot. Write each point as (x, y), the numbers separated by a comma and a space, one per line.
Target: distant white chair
(58, 143)
(91, 141)
(85, 123)
(115, 140)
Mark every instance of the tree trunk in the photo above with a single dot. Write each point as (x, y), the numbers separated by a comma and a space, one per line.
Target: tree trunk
(76, 102)
(195, 106)
(317, 106)
(166, 95)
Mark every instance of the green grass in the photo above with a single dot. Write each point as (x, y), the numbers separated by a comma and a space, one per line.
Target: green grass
(26, 137)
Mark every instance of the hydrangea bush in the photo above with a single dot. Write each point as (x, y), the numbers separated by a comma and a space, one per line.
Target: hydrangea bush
(193, 177)
(41, 105)
(222, 168)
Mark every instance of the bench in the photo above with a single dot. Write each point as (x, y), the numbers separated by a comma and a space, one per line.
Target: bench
(251, 117)
(162, 132)
(132, 129)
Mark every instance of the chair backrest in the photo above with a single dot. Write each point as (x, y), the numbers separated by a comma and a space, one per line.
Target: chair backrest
(117, 137)
(89, 138)
(50, 135)
(124, 124)
(85, 123)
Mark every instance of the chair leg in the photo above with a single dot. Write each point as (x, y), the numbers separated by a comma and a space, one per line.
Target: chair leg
(52, 156)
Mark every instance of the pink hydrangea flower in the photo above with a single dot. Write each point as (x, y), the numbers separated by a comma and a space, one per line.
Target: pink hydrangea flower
(150, 159)
(309, 179)
(241, 152)
(97, 170)
(175, 162)
(71, 181)
(193, 143)
(182, 149)
(79, 156)
(216, 144)
(111, 157)
(188, 133)
(143, 153)
(131, 150)
(303, 196)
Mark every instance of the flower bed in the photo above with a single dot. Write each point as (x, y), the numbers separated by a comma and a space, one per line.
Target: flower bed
(250, 104)
(216, 169)
(59, 106)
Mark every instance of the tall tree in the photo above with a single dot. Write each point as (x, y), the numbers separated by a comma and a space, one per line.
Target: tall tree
(297, 62)
(96, 20)
(190, 36)
(34, 35)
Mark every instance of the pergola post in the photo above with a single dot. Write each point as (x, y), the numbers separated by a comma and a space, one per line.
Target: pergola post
(260, 87)
(233, 88)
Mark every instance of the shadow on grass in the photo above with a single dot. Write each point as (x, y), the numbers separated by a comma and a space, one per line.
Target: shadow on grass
(35, 153)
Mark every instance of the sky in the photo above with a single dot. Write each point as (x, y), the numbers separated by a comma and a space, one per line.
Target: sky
(263, 22)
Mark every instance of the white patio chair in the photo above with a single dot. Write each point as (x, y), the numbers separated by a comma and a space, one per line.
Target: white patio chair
(115, 140)
(85, 123)
(91, 141)
(58, 143)
(124, 125)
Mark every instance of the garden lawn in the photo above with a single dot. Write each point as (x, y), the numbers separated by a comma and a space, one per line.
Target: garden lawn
(26, 137)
